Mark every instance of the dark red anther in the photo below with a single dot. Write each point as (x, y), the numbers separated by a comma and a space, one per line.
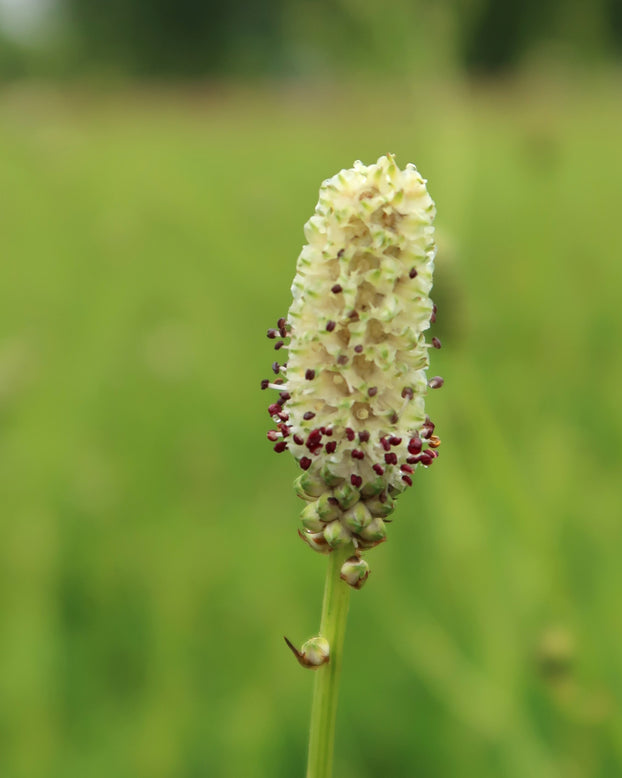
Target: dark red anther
(276, 368)
(358, 349)
(281, 323)
(264, 383)
(356, 454)
(272, 435)
(407, 392)
(340, 253)
(414, 445)
(328, 431)
(278, 381)
(342, 359)
(308, 415)
(385, 444)
(336, 289)
(280, 446)
(433, 316)
(354, 316)
(391, 458)
(279, 344)
(284, 428)
(426, 458)
(394, 418)
(349, 433)
(372, 391)
(407, 480)
(283, 416)
(378, 469)
(356, 480)
(363, 436)
(413, 272)
(427, 429)
(413, 460)
(298, 440)
(310, 374)
(406, 469)
(436, 382)
(330, 325)
(305, 463)
(313, 440)
(285, 396)
(394, 441)
(331, 446)
(436, 343)
(272, 334)
(274, 409)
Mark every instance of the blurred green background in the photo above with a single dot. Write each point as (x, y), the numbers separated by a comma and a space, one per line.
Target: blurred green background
(158, 161)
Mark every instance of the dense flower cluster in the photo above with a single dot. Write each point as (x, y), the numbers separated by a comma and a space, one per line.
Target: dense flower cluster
(351, 392)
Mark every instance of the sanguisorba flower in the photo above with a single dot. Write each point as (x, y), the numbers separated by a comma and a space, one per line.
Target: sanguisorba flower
(351, 393)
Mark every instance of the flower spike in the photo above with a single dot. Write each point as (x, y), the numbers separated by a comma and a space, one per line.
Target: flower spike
(351, 404)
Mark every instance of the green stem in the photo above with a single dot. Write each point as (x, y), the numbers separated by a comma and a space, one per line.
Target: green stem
(326, 687)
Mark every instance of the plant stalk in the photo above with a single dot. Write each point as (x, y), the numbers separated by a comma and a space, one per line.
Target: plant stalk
(326, 686)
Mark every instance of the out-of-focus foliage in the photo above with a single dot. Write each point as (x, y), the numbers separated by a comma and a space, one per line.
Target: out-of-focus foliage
(181, 38)
(149, 563)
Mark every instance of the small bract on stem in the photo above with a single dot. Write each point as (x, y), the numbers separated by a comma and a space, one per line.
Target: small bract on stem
(350, 405)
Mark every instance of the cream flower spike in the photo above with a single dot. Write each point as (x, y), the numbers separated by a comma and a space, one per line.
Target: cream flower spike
(351, 403)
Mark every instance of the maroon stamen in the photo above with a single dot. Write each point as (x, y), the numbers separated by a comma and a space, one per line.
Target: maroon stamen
(356, 480)
(414, 445)
(272, 435)
(330, 325)
(276, 368)
(413, 272)
(336, 289)
(378, 469)
(436, 343)
(407, 392)
(354, 316)
(285, 396)
(310, 374)
(407, 480)
(358, 349)
(394, 441)
(279, 344)
(406, 469)
(308, 415)
(281, 323)
(272, 334)
(364, 436)
(280, 446)
(372, 391)
(391, 458)
(331, 446)
(264, 383)
(349, 433)
(356, 454)
(385, 444)
(436, 382)
(340, 253)
(274, 409)
(298, 440)
(342, 359)
(305, 463)
(328, 431)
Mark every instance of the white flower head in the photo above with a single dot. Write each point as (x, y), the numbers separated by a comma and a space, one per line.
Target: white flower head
(351, 406)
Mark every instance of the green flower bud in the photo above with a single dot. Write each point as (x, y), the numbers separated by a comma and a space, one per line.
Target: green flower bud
(346, 495)
(316, 541)
(357, 517)
(308, 486)
(375, 531)
(355, 572)
(310, 518)
(372, 488)
(379, 508)
(316, 652)
(336, 534)
(327, 510)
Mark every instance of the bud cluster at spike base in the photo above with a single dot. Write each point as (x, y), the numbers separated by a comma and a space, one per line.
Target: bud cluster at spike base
(350, 406)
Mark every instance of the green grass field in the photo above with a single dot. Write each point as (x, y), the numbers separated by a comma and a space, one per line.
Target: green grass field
(149, 563)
